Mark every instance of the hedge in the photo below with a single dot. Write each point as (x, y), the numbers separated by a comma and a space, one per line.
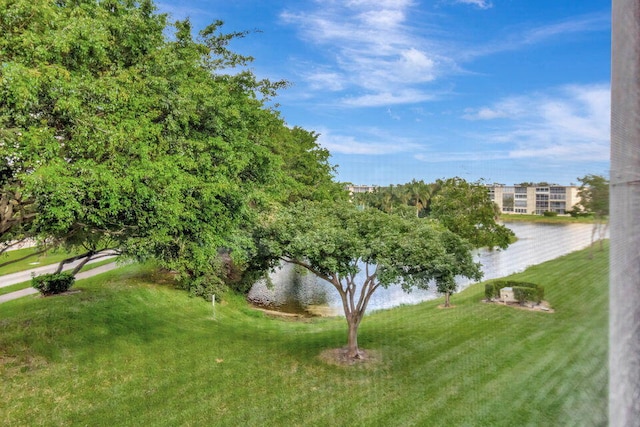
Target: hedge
(49, 284)
(523, 294)
(492, 290)
(522, 291)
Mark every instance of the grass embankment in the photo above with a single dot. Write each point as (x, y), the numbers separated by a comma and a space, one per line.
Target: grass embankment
(547, 219)
(129, 351)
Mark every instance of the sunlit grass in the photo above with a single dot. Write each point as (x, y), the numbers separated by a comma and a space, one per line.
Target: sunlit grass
(560, 219)
(52, 256)
(27, 284)
(129, 350)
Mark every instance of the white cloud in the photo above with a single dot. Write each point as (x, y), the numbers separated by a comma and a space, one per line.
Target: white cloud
(506, 108)
(580, 24)
(387, 98)
(484, 113)
(373, 49)
(482, 4)
(371, 142)
(325, 80)
(524, 37)
(571, 123)
(380, 52)
(461, 156)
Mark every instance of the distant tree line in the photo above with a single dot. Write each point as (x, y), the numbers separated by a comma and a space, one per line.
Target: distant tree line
(464, 207)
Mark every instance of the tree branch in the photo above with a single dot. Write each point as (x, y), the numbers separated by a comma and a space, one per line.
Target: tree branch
(310, 268)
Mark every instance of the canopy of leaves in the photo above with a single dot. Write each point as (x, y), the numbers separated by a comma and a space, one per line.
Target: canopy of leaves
(467, 210)
(112, 135)
(594, 195)
(464, 208)
(336, 241)
(396, 198)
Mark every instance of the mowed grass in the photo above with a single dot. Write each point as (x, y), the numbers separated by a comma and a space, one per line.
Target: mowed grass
(560, 219)
(128, 350)
(31, 260)
(18, 286)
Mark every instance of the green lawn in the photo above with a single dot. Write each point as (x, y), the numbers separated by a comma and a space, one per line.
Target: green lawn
(546, 219)
(19, 286)
(49, 257)
(128, 350)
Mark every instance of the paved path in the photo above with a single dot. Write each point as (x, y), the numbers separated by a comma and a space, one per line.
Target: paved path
(24, 276)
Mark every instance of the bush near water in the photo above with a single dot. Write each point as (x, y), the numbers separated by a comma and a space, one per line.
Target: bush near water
(522, 291)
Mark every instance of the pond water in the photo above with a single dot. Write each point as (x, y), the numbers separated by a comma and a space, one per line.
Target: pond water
(291, 290)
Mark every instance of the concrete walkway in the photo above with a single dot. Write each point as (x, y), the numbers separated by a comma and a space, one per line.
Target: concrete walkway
(25, 276)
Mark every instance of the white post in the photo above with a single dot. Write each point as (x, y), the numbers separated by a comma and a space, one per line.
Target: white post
(213, 305)
(624, 283)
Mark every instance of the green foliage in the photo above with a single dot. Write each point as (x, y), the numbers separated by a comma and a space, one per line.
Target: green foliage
(336, 241)
(492, 290)
(464, 208)
(467, 210)
(121, 130)
(204, 286)
(580, 218)
(522, 291)
(410, 199)
(523, 294)
(335, 238)
(594, 199)
(594, 195)
(550, 213)
(50, 284)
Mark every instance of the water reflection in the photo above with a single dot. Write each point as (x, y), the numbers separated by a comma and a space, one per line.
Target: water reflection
(536, 243)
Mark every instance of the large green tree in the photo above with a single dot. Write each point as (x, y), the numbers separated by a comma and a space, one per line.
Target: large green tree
(359, 251)
(461, 206)
(120, 130)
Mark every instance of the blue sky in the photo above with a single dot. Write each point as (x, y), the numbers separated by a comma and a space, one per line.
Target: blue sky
(503, 90)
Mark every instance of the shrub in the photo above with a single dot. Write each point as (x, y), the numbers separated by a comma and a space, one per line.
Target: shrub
(523, 294)
(492, 290)
(522, 291)
(50, 284)
(204, 286)
(550, 213)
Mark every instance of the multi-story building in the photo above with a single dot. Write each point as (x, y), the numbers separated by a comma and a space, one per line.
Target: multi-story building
(353, 189)
(534, 200)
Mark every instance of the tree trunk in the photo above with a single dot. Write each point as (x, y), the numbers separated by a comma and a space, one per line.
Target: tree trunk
(352, 347)
(446, 299)
(82, 264)
(87, 256)
(594, 230)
